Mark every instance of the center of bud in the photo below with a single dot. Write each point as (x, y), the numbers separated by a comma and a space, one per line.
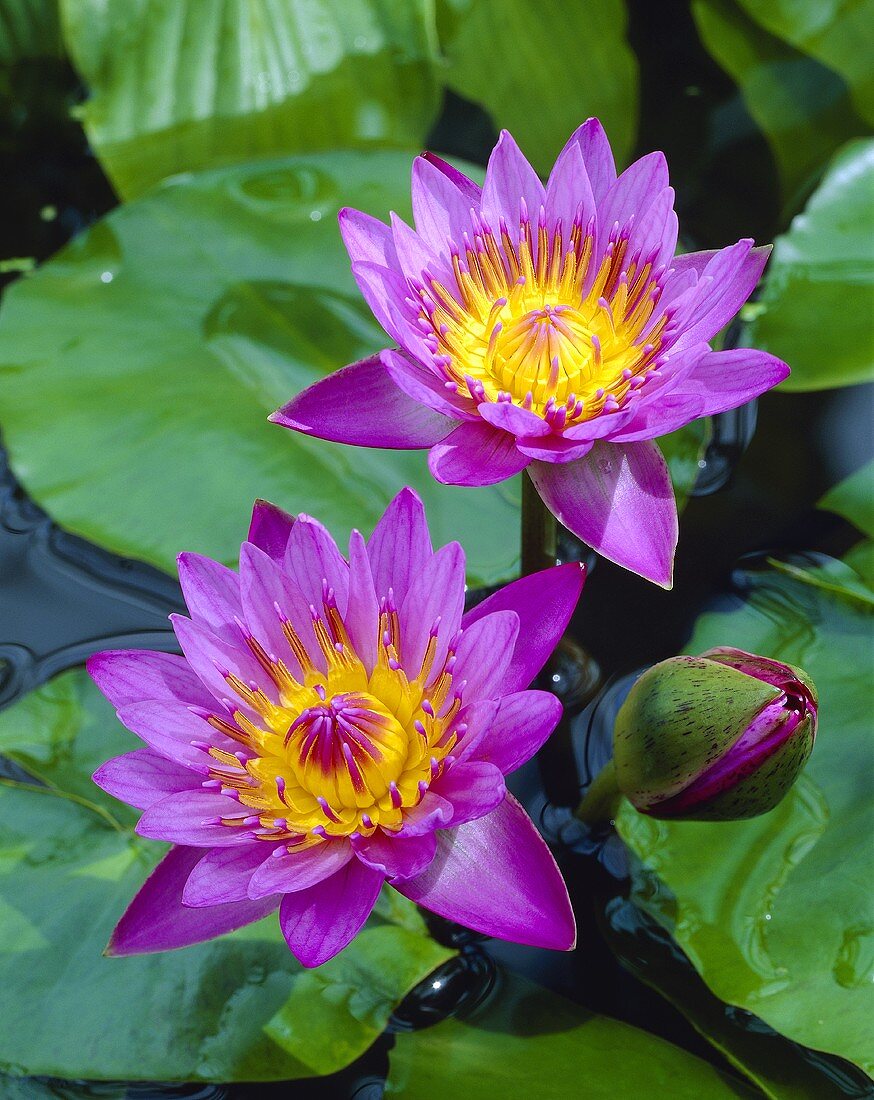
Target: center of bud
(534, 319)
(349, 751)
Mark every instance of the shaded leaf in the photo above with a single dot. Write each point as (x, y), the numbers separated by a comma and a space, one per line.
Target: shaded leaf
(178, 85)
(542, 68)
(139, 365)
(525, 1041)
(818, 296)
(775, 912)
(29, 28)
(853, 498)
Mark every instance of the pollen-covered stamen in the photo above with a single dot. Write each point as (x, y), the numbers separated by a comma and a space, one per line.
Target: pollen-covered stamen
(532, 318)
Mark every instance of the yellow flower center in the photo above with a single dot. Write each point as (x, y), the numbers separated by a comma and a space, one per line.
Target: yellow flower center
(531, 322)
(343, 751)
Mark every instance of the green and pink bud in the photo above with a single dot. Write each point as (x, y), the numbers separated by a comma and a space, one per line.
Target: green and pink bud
(714, 738)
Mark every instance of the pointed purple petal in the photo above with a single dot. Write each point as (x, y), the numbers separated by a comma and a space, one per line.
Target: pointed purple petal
(362, 613)
(553, 448)
(142, 777)
(156, 920)
(223, 874)
(367, 240)
(385, 292)
(726, 379)
(485, 653)
(441, 210)
(670, 412)
(544, 603)
(724, 285)
(400, 545)
(416, 257)
(511, 418)
(133, 675)
(693, 261)
(311, 558)
(437, 593)
(569, 194)
(270, 528)
(264, 587)
(319, 922)
(496, 876)
(470, 190)
(597, 156)
(396, 857)
(522, 724)
(210, 657)
(188, 819)
(473, 788)
(619, 500)
(421, 385)
(212, 594)
(509, 179)
(363, 406)
(176, 733)
(633, 193)
(476, 454)
(292, 871)
(433, 812)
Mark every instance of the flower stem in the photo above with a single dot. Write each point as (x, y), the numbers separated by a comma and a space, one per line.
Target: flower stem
(539, 531)
(601, 801)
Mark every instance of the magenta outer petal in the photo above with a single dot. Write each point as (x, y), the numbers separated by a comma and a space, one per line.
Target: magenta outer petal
(396, 857)
(143, 777)
(485, 652)
(363, 406)
(187, 819)
(263, 586)
(496, 876)
(292, 871)
(269, 529)
(553, 448)
(476, 454)
(212, 594)
(693, 261)
(437, 593)
(524, 721)
(156, 920)
(319, 922)
(569, 191)
(421, 385)
(223, 874)
(362, 613)
(633, 193)
(544, 603)
(470, 190)
(385, 291)
(725, 284)
(311, 558)
(619, 500)
(433, 812)
(597, 156)
(367, 240)
(655, 233)
(441, 210)
(175, 732)
(400, 545)
(726, 379)
(473, 788)
(415, 256)
(133, 675)
(477, 717)
(670, 412)
(510, 179)
(513, 419)
(206, 653)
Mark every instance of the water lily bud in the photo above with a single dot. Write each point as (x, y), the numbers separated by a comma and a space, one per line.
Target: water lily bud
(715, 737)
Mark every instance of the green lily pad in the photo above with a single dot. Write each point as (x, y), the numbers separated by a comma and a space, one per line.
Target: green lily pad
(70, 863)
(775, 912)
(803, 108)
(853, 498)
(196, 83)
(526, 1041)
(823, 268)
(139, 365)
(525, 63)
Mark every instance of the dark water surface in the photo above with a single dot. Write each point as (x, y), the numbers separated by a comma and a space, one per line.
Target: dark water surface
(62, 598)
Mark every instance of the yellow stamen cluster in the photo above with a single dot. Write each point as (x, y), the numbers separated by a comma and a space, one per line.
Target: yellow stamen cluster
(530, 321)
(342, 751)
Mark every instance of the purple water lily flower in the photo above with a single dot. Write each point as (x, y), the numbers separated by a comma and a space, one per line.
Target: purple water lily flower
(548, 328)
(335, 724)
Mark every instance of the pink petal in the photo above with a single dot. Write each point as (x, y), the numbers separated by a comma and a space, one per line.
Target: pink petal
(142, 777)
(485, 653)
(693, 261)
(724, 285)
(440, 208)
(633, 193)
(156, 919)
(312, 559)
(655, 232)
(367, 240)
(434, 603)
(133, 675)
(400, 545)
(362, 613)
(510, 179)
(512, 418)
(290, 871)
(396, 857)
(524, 721)
(470, 190)
(420, 384)
(433, 812)
(385, 291)
(269, 529)
(544, 603)
(223, 874)
(473, 788)
(569, 194)
(363, 406)
(670, 412)
(726, 379)
(264, 587)
(416, 258)
(476, 454)
(176, 733)
(597, 156)
(319, 922)
(212, 594)
(553, 448)
(189, 819)
(496, 876)
(619, 500)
